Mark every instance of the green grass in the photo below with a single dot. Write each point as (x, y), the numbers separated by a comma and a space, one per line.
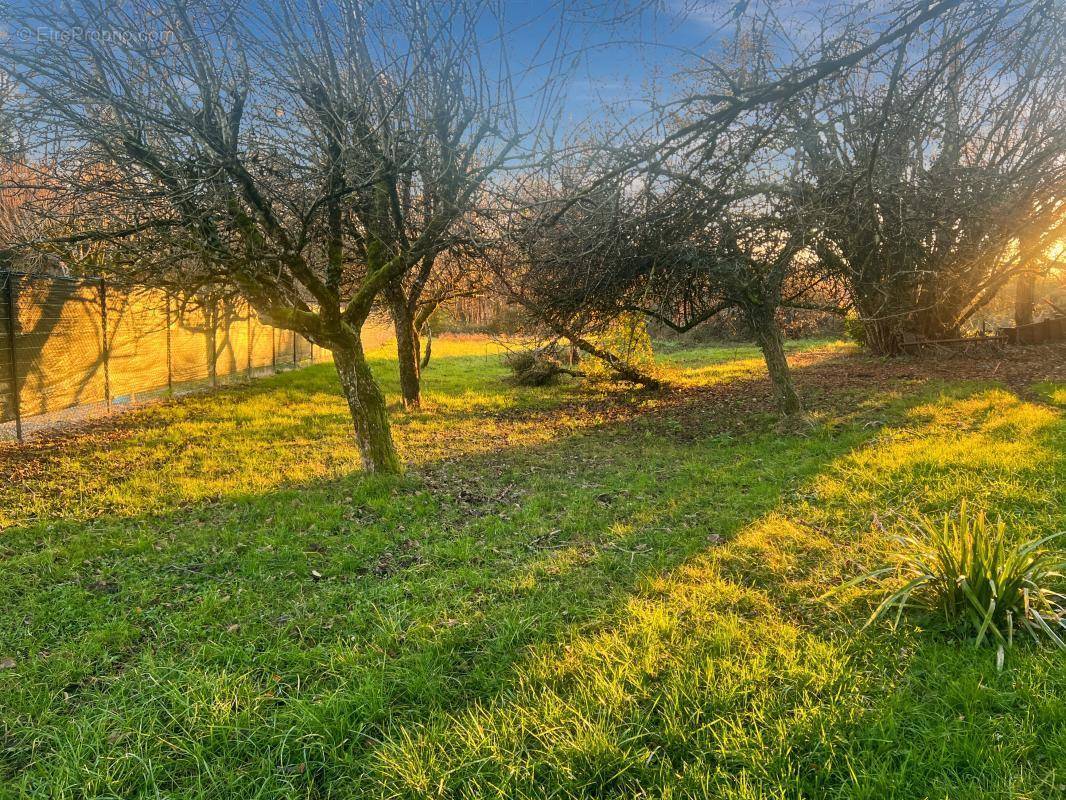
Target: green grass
(577, 591)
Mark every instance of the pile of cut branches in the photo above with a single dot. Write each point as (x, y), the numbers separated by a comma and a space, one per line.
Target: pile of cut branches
(541, 366)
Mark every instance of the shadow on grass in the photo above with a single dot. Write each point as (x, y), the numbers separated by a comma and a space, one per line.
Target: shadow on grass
(619, 609)
(285, 431)
(360, 600)
(727, 675)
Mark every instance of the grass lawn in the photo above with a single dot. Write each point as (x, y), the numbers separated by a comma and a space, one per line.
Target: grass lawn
(577, 591)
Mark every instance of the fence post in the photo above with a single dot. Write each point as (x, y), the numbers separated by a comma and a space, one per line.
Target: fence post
(212, 368)
(170, 352)
(15, 404)
(295, 362)
(107, 347)
(248, 337)
(273, 351)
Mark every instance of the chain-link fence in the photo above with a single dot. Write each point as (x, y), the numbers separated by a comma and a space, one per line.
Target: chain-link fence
(70, 348)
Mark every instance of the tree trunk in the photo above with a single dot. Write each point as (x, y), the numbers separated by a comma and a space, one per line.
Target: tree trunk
(1024, 299)
(896, 312)
(622, 368)
(768, 336)
(427, 354)
(408, 351)
(882, 329)
(367, 406)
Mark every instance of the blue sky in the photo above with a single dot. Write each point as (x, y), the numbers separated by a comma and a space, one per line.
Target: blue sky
(617, 60)
(619, 48)
(618, 51)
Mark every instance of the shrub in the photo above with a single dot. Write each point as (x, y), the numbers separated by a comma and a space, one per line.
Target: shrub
(967, 571)
(854, 329)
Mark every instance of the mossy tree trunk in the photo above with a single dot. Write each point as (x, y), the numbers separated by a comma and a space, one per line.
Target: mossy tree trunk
(768, 336)
(408, 348)
(367, 406)
(427, 352)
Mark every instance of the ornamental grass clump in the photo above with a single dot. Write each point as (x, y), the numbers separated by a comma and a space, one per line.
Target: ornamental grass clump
(971, 573)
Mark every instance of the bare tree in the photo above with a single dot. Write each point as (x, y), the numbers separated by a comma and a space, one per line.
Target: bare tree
(939, 174)
(555, 258)
(310, 155)
(10, 148)
(705, 231)
(412, 299)
(707, 209)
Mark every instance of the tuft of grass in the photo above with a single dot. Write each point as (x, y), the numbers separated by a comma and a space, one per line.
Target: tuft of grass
(969, 571)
